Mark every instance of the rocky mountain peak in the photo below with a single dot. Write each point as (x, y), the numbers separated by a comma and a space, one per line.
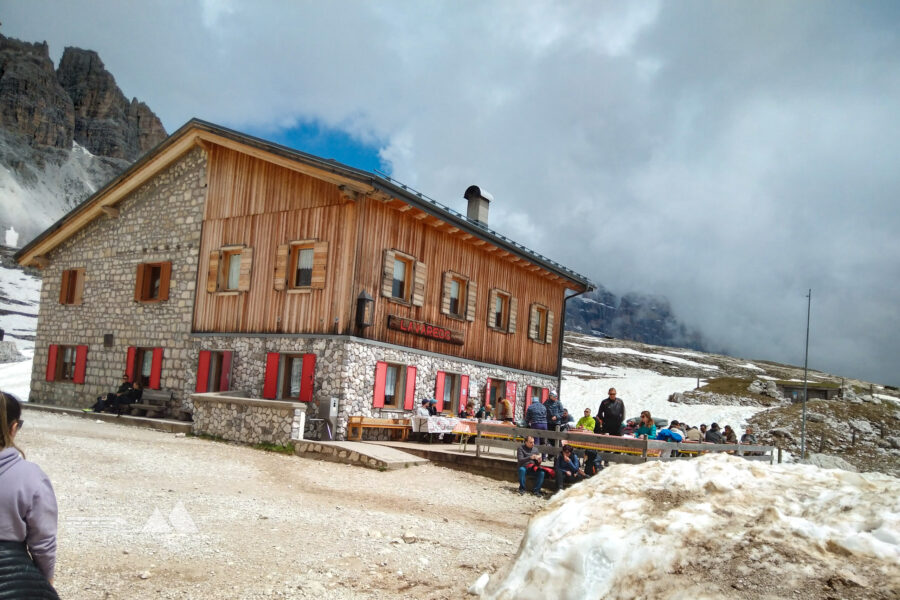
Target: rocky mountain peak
(106, 123)
(79, 101)
(32, 103)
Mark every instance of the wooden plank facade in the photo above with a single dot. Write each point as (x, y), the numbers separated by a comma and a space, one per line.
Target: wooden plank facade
(255, 204)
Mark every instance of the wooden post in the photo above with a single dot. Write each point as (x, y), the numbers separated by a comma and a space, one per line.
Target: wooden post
(698, 383)
(478, 439)
(853, 439)
(779, 455)
(644, 450)
(821, 443)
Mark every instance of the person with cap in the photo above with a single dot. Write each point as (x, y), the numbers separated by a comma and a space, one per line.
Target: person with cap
(714, 435)
(554, 410)
(422, 411)
(610, 415)
(432, 407)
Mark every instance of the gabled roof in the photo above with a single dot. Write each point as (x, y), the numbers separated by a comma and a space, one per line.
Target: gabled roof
(196, 132)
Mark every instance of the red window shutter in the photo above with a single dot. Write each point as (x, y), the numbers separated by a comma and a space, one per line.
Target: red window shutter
(51, 362)
(527, 396)
(225, 379)
(511, 394)
(487, 390)
(80, 364)
(439, 391)
(203, 372)
(545, 393)
(463, 389)
(270, 386)
(156, 369)
(380, 378)
(409, 402)
(129, 363)
(307, 377)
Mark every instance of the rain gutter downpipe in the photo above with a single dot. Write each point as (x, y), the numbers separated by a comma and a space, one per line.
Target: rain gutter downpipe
(562, 336)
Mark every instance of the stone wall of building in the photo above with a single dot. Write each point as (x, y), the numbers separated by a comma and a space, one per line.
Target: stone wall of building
(246, 420)
(345, 369)
(160, 221)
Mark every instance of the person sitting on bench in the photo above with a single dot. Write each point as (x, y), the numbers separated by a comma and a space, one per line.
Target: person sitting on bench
(112, 399)
(529, 461)
(567, 468)
(133, 397)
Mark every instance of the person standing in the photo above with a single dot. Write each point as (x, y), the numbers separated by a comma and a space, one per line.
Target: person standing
(536, 418)
(504, 409)
(610, 415)
(28, 516)
(554, 410)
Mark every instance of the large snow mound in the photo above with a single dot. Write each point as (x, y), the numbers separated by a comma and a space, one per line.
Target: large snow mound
(713, 527)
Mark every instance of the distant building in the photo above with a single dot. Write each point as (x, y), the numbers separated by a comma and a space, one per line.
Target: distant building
(794, 391)
(223, 263)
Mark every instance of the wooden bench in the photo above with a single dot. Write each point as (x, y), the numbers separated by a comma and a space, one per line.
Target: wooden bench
(182, 414)
(153, 403)
(356, 425)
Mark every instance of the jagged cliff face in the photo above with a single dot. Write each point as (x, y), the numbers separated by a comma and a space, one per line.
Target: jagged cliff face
(63, 132)
(32, 102)
(106, 123)
(635, 317)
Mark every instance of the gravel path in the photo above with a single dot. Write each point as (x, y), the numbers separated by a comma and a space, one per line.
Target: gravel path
(145, 514)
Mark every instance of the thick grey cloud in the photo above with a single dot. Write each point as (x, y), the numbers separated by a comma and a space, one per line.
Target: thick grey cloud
(727, 155)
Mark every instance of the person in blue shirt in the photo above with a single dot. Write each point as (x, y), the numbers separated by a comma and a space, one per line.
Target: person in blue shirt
(536, 418)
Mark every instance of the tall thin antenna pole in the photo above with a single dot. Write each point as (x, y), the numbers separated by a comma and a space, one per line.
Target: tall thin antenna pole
(805, 370)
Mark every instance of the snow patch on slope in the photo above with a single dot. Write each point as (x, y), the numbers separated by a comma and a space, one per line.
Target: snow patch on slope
(706, 528)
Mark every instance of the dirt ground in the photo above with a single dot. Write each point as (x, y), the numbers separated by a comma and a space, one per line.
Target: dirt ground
(145, 514)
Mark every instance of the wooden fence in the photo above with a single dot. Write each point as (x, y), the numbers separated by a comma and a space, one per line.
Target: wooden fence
(613, 448)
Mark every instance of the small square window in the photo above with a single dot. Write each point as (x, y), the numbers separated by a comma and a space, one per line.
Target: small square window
(72, 286)
(152, 282)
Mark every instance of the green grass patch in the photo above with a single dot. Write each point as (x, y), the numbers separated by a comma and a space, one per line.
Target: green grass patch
(733, 386)
(287, 449)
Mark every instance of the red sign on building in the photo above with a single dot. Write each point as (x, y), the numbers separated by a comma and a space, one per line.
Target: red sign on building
(427, 330)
